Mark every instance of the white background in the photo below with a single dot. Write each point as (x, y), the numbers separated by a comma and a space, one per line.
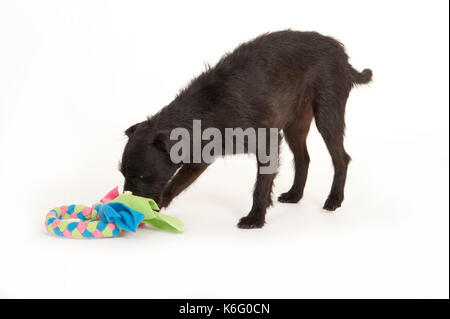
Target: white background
(75, 74)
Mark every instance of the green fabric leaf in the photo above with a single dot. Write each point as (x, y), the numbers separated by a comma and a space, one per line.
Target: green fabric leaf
(147, 207)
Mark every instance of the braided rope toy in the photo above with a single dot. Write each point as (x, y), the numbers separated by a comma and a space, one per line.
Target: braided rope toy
(108, 217)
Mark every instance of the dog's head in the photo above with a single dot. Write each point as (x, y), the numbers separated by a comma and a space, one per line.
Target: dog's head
(146, 163)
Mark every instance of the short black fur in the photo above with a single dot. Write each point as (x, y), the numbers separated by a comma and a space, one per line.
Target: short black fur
(278, 80)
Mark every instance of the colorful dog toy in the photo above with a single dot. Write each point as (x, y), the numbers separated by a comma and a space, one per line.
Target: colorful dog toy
(108, 217)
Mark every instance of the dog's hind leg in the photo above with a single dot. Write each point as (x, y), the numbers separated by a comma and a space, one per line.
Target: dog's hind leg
(329, 111)
(295, 134)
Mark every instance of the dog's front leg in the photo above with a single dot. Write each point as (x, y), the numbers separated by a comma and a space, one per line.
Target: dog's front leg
(186, 175)
(262, 199)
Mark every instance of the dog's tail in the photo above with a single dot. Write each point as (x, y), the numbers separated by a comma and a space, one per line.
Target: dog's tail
(363, 77)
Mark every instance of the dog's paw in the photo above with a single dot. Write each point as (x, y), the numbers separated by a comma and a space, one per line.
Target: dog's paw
(164, 200)
(249, 222)
(333, 202)
(289, 197)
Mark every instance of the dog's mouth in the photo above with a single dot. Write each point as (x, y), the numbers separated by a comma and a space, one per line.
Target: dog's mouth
(153, 191)
(154, 196)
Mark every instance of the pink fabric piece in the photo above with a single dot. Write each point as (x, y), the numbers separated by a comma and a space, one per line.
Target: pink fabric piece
(63, 210)
(67, 233)
(86, 211)
(56, 223)
(97, 233)
(111, 195)
(111, 226)
(82, 226)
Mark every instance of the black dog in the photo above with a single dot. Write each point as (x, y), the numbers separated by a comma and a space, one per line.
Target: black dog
(278, 80)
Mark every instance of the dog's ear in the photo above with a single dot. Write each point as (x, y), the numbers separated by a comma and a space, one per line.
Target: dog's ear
(130, 131)
(162, 141)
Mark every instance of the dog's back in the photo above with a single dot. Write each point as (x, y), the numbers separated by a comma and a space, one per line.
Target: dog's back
(263, 81)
